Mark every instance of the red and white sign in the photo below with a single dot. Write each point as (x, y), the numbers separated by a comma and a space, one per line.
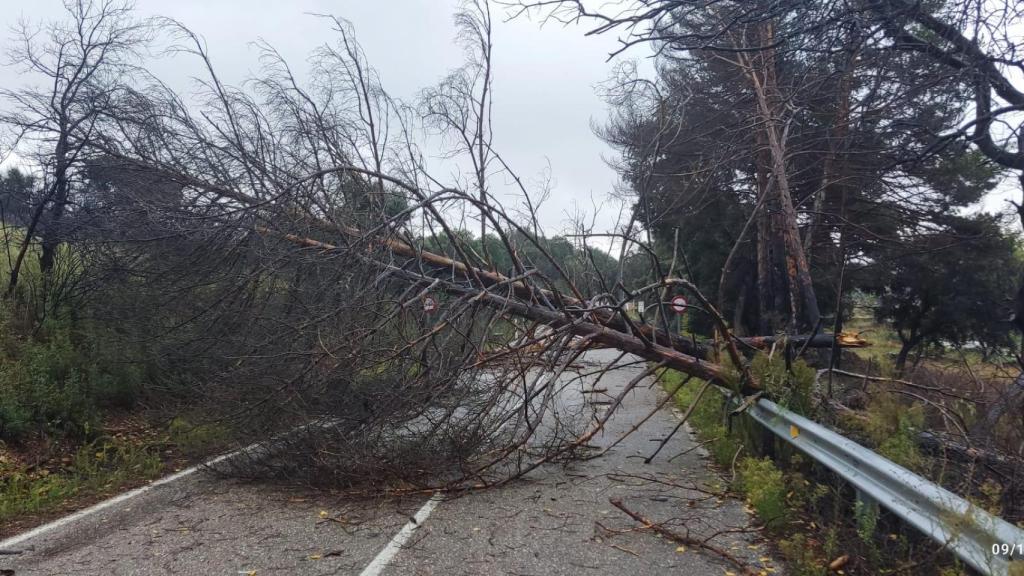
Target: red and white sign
(429, 304)
(678, 304)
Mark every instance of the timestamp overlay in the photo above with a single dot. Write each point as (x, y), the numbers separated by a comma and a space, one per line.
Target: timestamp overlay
(1014, 550)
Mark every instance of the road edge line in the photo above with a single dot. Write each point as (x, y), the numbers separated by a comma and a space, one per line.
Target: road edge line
(113, 501)
(385, 556)
(100, 506)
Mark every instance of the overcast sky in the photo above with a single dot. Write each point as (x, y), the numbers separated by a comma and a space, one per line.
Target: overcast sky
(544, 98)
(545, 77)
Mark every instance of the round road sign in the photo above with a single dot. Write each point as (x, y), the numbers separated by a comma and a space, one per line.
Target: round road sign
(429, 304)
(678, 304)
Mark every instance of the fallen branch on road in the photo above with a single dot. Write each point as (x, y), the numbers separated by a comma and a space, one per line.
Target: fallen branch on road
(682, 539)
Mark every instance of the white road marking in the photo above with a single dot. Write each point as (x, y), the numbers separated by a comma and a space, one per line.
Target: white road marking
(265, 445)
(39, 530)
(377, 566)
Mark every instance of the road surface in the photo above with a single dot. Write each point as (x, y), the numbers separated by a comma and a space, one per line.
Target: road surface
(558, 520)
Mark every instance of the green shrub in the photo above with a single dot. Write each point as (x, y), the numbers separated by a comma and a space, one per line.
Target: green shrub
(765, 488)
(15, 418)
(803, 556)
(892, 426)
(54, 383)
(43, 387)
(867, 520)
(991, 498)
(792, 387)
(803, 493)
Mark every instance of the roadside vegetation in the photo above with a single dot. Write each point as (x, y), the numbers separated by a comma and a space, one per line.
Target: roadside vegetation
(816, 520)
(89, 408)
(74, 422)
(79, 418)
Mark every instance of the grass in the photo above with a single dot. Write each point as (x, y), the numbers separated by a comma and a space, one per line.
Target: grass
(707, 417)
(96, 468)
(886, 344)
(197, 440)
(76, 475)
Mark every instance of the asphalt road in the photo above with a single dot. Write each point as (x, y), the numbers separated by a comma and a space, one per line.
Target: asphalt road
(558, 520)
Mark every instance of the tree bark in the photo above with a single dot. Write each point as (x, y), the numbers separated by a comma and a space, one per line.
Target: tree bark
(765, 278)
(761, 71)
(901, 359)
(58, 194)
(605, 328)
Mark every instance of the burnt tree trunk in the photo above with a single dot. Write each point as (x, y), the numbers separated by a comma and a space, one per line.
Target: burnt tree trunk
(765, 261)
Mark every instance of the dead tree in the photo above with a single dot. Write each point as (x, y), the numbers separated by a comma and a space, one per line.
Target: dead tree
(84, 63)
(460, 107)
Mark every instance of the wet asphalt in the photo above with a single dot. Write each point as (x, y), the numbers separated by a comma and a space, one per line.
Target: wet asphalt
(557, 520)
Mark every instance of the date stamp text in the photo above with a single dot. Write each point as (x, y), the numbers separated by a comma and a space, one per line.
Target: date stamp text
(1007, 549)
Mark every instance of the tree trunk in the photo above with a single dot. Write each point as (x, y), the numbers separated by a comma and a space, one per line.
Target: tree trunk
(737, 315)
(901, 359)
(30, 231)
(51, 232)
(761, 71)
(765, 261)
(58, 194)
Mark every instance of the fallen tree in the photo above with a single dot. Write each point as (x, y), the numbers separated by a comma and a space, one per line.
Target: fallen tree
(275, 244)
(607, 325)
(295, 221)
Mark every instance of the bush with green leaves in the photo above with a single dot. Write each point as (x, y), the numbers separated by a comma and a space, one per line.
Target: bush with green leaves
(765, 487)
(892, 427)
(56, 381)
(803, 556)
(790, 386)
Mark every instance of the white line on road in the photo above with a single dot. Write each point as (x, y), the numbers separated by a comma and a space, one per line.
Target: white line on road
(39, 530)
(251, 449)
(377, 566)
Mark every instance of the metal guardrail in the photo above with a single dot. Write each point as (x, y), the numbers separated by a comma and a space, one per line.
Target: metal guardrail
(965, 529)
